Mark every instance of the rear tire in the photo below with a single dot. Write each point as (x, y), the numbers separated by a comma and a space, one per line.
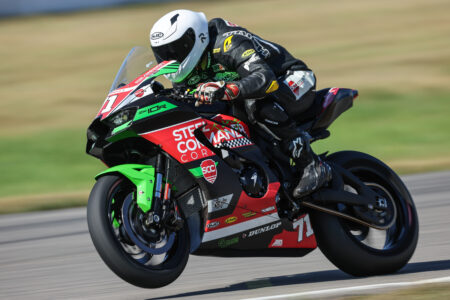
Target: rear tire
(105, 238)
(335, 236)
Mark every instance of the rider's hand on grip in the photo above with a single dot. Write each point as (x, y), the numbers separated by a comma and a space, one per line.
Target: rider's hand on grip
(208, 92)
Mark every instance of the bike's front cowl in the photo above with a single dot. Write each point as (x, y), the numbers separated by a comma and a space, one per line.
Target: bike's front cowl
(143, 242)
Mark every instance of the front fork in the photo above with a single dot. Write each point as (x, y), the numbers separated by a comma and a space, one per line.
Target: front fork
(151, 190)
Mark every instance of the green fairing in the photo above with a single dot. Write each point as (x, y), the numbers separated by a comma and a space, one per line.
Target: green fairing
(143, 176)
(170, 68)
(153, 110)
(121, 127)
(197, 172)
(121, 135)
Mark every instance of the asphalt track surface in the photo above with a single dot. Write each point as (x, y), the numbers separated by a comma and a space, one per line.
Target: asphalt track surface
(49, 255)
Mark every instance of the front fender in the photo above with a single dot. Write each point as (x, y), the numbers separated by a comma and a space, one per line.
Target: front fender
(142, 176)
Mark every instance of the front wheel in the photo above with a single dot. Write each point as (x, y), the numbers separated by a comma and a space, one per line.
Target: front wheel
(360, 250)
(110, 208)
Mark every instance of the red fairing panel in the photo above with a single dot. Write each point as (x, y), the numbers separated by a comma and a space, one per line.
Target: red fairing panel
(301, 237)
(117, 96)
(251, 213)
(259, 206)
(179, 140)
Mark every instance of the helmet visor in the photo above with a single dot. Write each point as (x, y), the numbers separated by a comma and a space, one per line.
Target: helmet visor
(177, 50)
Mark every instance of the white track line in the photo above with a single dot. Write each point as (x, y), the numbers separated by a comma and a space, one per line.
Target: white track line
(355, 288)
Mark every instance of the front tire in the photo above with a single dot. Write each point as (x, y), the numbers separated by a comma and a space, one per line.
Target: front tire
(346, 243)
(124, 258)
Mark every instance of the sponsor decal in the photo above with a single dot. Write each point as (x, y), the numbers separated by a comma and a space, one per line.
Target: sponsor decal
(153, 110)
(187, 144)
(209, 170)
(251, 60)
(277, 243)
(213, 224)
(273, 87)
(270, 208)
(139, 93)
(219, 203)
(223, 243)
(226, 76)
(216, 50)
(122, 90)
(234, 123)
(264, 229)
(189, 148)
(249, 214)
(294, 88)
(257, 42)
(248, 53)
(197, 172)
(156, 35)
(227, 43)
(179, 140)
(231, 220)
(300, 82)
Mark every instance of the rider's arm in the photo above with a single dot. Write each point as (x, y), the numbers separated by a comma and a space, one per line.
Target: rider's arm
(257, 78)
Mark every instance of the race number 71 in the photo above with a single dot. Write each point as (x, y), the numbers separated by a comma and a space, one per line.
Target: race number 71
(299, 223)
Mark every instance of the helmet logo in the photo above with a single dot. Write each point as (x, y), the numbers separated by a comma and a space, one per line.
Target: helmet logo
(157, 35)
(202, 37)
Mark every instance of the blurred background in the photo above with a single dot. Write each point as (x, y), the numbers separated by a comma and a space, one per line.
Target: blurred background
(57, 64)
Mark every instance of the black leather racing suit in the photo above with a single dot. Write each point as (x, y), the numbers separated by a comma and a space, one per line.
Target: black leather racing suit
(276, 89)
(258, 67)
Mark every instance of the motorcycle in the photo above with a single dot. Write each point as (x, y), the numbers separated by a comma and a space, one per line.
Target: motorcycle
(206, 181)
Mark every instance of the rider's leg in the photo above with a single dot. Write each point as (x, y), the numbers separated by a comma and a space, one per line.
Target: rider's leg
(314, 173)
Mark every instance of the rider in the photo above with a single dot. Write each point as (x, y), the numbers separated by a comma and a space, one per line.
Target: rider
(226, 62)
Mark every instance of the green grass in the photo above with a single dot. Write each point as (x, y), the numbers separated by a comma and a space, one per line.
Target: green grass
(55, 71)
(49, 161)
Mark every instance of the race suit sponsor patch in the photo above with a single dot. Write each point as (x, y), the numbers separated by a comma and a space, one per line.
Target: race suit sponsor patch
(227, 43)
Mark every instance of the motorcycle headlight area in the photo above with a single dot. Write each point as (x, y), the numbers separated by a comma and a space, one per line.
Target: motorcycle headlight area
(121, 117)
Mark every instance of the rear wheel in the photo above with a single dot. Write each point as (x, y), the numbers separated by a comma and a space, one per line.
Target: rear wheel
(360, 250)
(124, 241)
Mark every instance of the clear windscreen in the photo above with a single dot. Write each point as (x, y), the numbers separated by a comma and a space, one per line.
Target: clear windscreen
(138, 60)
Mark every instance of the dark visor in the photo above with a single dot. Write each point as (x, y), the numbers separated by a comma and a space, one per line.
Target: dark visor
(177, 50)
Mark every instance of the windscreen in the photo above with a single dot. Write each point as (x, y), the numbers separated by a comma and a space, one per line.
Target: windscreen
(138, 60)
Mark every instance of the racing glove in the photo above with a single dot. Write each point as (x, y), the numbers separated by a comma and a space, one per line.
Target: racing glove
(208, 92)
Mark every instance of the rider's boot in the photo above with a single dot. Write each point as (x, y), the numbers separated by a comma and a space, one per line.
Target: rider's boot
(316, 172)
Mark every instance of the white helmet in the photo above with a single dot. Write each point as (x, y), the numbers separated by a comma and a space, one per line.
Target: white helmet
(180, 35)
